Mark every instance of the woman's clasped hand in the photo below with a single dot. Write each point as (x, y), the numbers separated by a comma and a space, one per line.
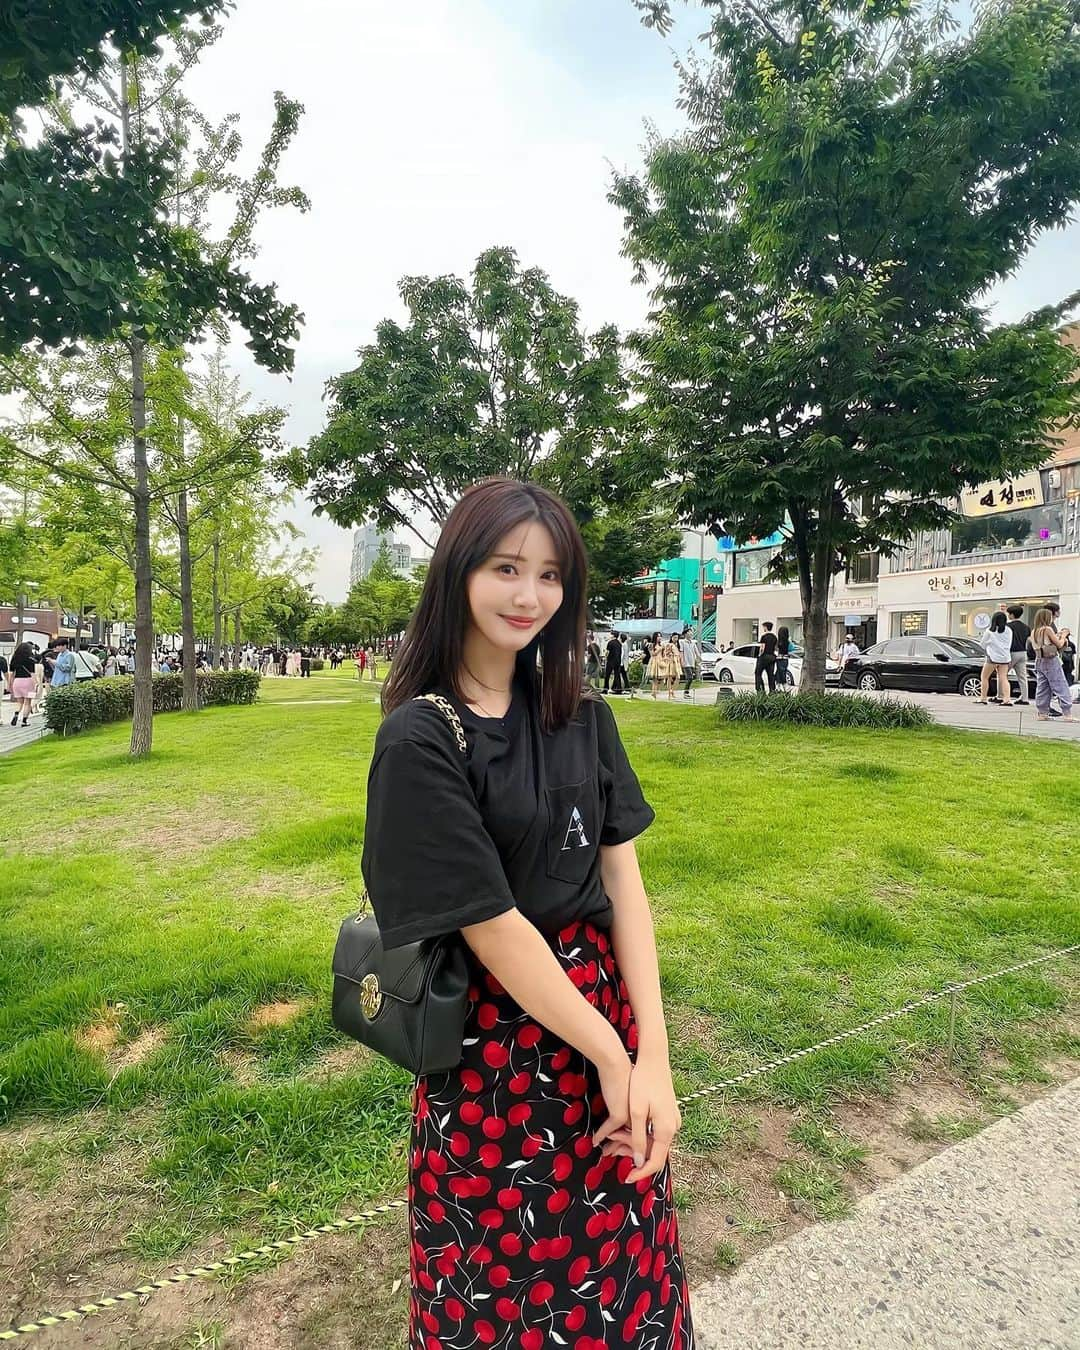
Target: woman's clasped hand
(643, 1116)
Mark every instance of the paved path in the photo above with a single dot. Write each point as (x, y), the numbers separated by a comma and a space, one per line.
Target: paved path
(978, 1248)
(11, 738)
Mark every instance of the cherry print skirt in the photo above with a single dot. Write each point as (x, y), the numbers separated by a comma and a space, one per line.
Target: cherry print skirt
(522, 1236)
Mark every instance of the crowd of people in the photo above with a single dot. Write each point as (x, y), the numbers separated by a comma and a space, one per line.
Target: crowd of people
(665, 660)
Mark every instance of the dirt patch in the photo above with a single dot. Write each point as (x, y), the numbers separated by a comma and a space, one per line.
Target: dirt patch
(276, 1014)
(142, 1047)
(99, 1038)
(340, 1061)
(103, 1038)
(242, 1065)
(169, 833)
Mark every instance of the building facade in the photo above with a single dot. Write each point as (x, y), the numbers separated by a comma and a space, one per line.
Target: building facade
(365, 549)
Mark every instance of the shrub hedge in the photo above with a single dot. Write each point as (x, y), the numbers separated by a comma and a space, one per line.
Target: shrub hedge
(823, 710)
(110, 699)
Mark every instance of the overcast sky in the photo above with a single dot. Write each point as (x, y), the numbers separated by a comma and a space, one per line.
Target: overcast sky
(436, 128)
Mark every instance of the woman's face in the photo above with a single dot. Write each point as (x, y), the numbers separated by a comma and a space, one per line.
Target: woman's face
(522, 579)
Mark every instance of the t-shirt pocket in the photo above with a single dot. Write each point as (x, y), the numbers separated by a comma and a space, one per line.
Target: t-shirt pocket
(573, 830)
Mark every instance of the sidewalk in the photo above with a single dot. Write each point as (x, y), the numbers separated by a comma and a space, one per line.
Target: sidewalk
(978, 1248)
(12, 738)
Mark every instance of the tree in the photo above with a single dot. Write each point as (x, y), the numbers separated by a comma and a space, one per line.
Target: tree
(491, 377)
(81, 224)
(133, 93)
(820, 359)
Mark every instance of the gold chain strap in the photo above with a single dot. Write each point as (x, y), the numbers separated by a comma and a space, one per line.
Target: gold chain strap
(450, 714)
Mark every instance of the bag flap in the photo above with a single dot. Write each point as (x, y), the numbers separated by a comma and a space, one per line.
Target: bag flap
(401, 971)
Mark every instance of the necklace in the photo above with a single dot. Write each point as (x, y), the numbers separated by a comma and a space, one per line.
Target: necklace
(476, 702)
(489, 687)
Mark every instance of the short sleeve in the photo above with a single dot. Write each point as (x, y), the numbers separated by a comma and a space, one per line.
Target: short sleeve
(626, 812)
(429, 864)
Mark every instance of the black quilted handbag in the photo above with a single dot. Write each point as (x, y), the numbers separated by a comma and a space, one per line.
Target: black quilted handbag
(407, 1004)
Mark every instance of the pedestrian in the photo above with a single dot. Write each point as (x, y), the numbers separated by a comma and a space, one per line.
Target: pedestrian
(624, 659)
(650, 657)
(613, 665)
(783, 655)
(996, 641)
(373, 660)
(1049, 674)
(848, 652)
(1068, 656)
(1018, 657)
(22, 681)
(510, 1150)
(64, 665)
(664, 666)
(305, 663)
(689, 655)
(765, 665)
(592, 665)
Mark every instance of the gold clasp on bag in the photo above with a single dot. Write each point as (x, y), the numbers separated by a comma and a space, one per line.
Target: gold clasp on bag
(371, 998)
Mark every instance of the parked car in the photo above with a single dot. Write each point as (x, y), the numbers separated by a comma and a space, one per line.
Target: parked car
(948, 665)
(737, 666)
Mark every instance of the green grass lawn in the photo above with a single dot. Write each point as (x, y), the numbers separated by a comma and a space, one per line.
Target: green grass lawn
(802, 881)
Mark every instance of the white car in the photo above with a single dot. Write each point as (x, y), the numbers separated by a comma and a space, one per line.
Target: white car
(737, 666)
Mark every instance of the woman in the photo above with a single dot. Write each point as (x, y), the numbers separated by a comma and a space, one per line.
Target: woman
(996, 641)
(23, 681)
(650, 664)
(1049, 675)
(783, 655)
(665, 666)
(540, 1198)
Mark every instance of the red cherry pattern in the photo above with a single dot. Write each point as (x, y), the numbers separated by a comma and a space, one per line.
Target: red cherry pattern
(522, 1236)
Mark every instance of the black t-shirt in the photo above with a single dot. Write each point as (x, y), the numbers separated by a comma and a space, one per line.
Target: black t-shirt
(1020, 634)
(22, 665)
(768, 642)
(454, 838)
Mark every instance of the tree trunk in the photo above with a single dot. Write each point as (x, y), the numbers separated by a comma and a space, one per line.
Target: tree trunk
(215, 653)
(190, 702)
(815, 574)
(142, 721)
(236, 640)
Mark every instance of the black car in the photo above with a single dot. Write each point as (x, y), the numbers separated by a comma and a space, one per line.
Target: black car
(946, 665)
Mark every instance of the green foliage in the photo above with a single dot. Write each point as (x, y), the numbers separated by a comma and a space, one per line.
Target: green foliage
(820, 358)
(818, 1188)
(814, 708)
(63, 38)
(494, 376)
(86, 244)
(74, 707)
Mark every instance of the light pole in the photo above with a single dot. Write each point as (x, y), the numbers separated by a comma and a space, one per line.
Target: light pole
(700, 579)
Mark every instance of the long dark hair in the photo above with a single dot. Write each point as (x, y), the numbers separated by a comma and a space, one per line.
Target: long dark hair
(431, 651)
(21, 650)
(997, 621)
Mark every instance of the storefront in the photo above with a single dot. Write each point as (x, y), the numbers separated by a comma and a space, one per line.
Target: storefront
(959, 601)
(853, 615)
